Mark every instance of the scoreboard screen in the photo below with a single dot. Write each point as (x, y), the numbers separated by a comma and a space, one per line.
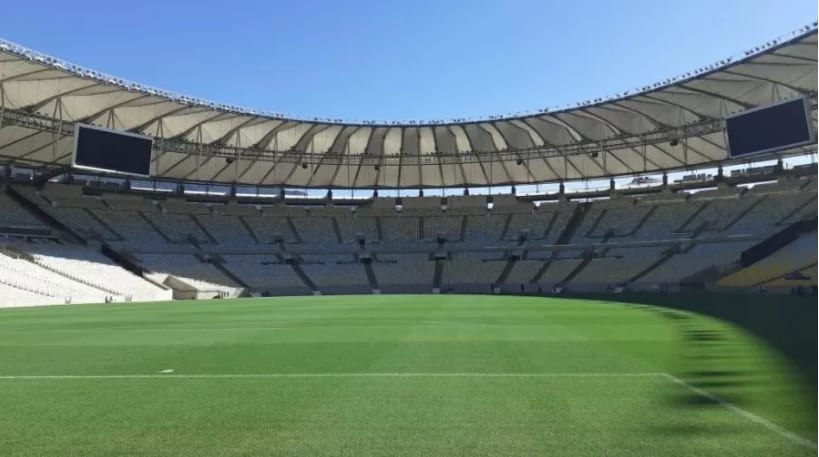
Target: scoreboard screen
(108, 150)
(769, 128)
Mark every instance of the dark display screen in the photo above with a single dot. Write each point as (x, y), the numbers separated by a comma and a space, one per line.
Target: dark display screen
(107, 150)
(769, 129)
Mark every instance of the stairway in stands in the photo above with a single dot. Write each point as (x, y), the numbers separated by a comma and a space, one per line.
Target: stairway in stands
(56, 226)
(573, 223)
(507, 269)
(247, 227)
(104, 224)
(204, 229)
(439, 273)
(154, 226)
(303, 276)
(656, 264)
(220, 265)
(368, 269)
(587, 258)
(565, 237)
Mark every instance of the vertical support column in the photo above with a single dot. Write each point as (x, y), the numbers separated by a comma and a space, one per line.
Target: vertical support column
(198, 150)
(55, 135)
(775, 95)
(161, 132)
(2, 103)
(418, 157)
(238, 158)
(643, 150)
(59, 125)
(110, 121)
(276, 162)
(683, 136)
(346, 160)
(565, 167)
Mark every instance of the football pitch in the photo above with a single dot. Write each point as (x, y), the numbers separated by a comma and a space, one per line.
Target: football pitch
(403, 375)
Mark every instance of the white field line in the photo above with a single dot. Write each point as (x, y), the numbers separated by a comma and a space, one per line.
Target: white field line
(238, 329)
(744, 413)
(330, 375)
(705, 394)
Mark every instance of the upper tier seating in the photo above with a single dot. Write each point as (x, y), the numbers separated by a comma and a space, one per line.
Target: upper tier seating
(449, 227)
(486, 229)
(227, 230)
(13, 214)
(400, 229)
(269, 229)
(355, 227)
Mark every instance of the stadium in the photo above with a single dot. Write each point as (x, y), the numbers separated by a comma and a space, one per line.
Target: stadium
(632, 275)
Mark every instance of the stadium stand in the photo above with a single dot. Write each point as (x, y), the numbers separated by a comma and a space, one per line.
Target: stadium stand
(13, 215)
(404, 272)
(202, 277)
(335, 273)
(210, 222)
(795, 256)
(267, 274)
(664, 241)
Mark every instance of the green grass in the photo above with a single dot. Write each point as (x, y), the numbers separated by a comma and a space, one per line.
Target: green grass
(562, 412)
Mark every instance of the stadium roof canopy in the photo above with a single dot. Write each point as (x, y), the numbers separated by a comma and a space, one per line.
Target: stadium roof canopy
(673, 124)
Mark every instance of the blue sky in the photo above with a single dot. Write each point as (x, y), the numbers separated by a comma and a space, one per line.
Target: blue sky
(413, 59)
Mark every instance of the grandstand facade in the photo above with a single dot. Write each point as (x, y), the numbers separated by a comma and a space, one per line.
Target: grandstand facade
(68, 237)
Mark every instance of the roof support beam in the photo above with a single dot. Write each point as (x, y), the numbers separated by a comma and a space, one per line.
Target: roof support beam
(789, 56)
(111, 108)
(199, 167)
(552, 169)
(361, 159)
(139, 128)
(50, 144)
(712, 94)
(21, 139)
(520, 158)
(247, 168)
(184, 158)
(39, 105)
(198, 126)
(23, 75)
(264, 142)
(272, 169)
(684, 108)
(767, 80)
(650, 119)
(568, 161)
(612, 154)
(455, 140)
(224, 138)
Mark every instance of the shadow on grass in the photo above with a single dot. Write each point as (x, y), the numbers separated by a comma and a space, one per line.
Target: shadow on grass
(784, 323)
(719, 365)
